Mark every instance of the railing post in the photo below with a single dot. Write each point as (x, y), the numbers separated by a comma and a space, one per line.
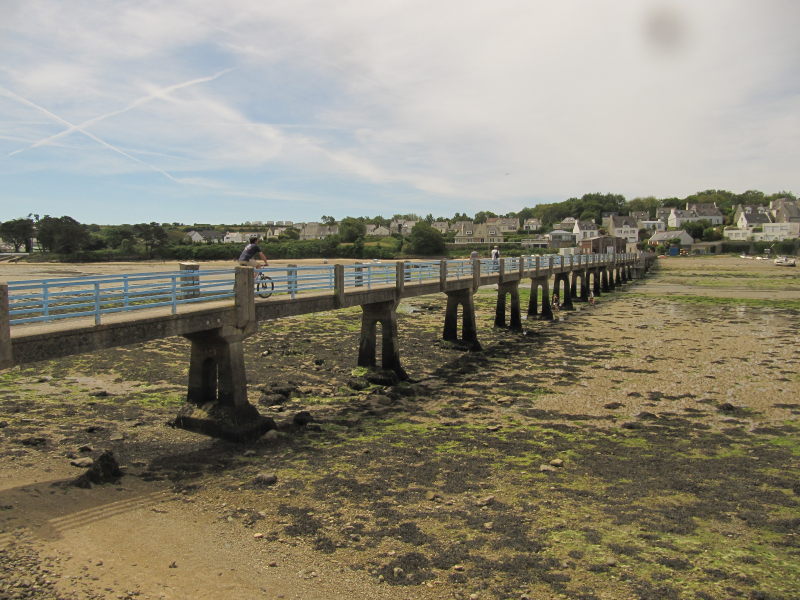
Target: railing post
(45, 300)
(400, 277)
(191, 280)
(291, 280)
(443, 274)
(6, 351)
(244, 294)
(359, 278)
(476, 273)
(174, 294)
(338, 284)
(501, 270)
(97, 304)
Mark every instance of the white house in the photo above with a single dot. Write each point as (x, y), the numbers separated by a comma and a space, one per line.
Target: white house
(678, 217)
(623, 227)
(585, 229)
(207, 236)
(661, 237)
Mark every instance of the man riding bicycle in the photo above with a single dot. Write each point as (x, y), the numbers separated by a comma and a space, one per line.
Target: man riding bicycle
(250, 252)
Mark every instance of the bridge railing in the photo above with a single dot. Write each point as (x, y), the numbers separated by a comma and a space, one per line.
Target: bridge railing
(94, 296)
(98, 295)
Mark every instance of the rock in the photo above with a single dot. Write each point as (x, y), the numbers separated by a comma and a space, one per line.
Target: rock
(646, 415)
(93, 429)
(429, 495)
(83, 463)
(727, 407)
(100, 394)
(485, 501)
(303, 418)
(488, 525)
(613, 405)
(86, 448)
(3, 424)
(116, 437)
(34, 441)
(271, 436)
(249, 453)
(357, 383)
(557, 462)
(382, 399)
(493, 428)
(258, 536)
(382, 377)
(265, 480)
(547, 468)
(631, 425)
(634, 394)
(458, 568)
(398, 573)
(105, 469)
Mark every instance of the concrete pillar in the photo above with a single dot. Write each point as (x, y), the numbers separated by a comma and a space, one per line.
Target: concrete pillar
(573, 287)
(596, 281)
(384, 313)
(338, 284)
(469, 329)
(217, 392)
(547, 309)
(189, 283)
(563, 291)
(515, 318)
(584, 277)
(245, 299)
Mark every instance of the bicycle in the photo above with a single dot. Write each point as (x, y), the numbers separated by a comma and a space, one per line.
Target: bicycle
(264, 285)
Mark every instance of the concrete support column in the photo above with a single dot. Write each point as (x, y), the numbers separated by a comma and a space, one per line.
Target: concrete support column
(584, 277)
(384, 313)
(515, 321)
(563, 291)
(469, 329)
(596, 281)
(547, 309)
(573, 286)
(217, 392)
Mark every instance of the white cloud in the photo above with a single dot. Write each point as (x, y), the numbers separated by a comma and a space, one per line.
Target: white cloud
(453, 104)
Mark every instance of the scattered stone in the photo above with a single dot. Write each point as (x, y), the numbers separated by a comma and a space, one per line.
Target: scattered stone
(272, 564)
(105, 469)
(258, 536)
(173, 565)
(382, 399)
(86, 448)
(303, 418)
(93, 429)
(613, 405)
(547, 468)
(3, 424)
(116, 437)
(34, 441)
(265, 479)
(485, 501)
(493, 428)
(557, 462)
(271, 436)
(429, 495)
(458, 568)
(398, 573)
(489, 525)
(634, 394)
(100, 394)
(248, 453)
(83, 463)
(728, 407)
(646, 415)
(357, 383)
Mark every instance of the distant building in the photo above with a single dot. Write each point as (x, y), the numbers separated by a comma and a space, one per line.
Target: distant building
(602, 244)
(707, 211)
(585, 229)
(482, 233)
(207, 236)
(663, 237)
(504, 224)
(624, 227)
(532, 224)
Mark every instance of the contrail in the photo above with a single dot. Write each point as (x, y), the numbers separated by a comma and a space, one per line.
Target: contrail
(161, 93)
(19, 98)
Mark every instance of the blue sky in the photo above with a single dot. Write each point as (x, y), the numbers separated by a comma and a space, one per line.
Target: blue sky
(195, 111)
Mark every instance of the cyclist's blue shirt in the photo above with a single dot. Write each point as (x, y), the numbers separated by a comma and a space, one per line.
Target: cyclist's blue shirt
(250, 251)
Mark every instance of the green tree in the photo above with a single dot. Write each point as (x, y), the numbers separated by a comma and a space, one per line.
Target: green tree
(64, 234)
(425, 240)
(18, 232)
(696, 228)
(290, 233)
(116, 235)
(351, 229)
(482, 216)
(152, 235)
(328, 220)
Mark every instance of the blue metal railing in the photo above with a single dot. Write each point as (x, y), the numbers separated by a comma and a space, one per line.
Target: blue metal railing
(97, 295)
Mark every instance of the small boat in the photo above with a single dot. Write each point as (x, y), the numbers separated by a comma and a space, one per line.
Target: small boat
(785, 261)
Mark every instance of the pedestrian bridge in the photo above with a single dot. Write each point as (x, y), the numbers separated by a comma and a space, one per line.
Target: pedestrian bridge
(217, 309)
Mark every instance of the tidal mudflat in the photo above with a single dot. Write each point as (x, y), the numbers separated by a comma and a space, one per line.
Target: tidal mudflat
(646, 447)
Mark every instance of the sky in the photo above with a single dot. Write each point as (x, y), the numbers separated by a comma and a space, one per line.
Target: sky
(253, 110)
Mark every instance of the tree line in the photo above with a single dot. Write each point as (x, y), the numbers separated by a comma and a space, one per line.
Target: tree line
(67, 237)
